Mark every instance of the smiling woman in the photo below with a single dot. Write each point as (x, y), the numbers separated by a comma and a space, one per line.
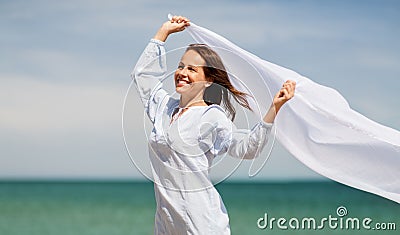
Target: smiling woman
(189, 132)
(205, 68)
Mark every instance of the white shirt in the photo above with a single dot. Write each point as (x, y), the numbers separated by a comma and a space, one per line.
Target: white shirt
(182, 152)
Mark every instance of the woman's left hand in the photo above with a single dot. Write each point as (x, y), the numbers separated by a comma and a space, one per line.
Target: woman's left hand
(284, 94)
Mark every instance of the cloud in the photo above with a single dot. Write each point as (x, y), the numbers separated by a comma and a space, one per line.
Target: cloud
(32, 105)
(56, 130)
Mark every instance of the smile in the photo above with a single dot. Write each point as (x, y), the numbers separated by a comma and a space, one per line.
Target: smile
(182, 82)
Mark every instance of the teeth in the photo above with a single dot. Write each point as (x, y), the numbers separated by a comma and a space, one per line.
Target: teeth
(182, 83)
(182, 80)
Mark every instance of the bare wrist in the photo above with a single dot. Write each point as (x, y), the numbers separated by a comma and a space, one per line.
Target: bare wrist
(277, 106)
(162, 34)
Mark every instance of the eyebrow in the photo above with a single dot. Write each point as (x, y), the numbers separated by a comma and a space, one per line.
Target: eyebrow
(190, 65)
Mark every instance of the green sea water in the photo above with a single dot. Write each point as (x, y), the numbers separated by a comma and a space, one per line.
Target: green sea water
(98, 208)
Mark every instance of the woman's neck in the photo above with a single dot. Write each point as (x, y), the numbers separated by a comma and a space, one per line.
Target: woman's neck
(191, 101)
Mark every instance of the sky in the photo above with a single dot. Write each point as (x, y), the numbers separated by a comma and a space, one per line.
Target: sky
(65, 66)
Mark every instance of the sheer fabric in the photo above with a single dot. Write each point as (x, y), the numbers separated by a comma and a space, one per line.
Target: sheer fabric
(317, 126)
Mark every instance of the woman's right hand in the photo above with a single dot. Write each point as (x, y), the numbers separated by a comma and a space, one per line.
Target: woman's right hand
(176, 24)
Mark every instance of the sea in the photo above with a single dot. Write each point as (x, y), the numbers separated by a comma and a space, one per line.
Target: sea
(128, 208)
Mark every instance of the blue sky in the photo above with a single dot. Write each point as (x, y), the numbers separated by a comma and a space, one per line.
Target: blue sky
(65, 65)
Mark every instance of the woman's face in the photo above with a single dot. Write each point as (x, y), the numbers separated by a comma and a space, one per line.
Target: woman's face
(189, 76)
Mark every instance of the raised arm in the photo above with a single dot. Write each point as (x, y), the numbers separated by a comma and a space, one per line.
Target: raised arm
(176, 24)
(244, 143)
(151, 67)
(248, 144)
(283, 95)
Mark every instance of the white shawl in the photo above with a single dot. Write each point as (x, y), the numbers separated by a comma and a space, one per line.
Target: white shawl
(317, 126)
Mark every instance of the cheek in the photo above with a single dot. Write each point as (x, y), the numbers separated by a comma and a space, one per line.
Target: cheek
(203, 77)
(176, 75)
(199, 77)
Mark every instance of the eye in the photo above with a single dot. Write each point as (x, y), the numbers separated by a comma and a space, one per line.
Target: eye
(192, 69)
(180, 66)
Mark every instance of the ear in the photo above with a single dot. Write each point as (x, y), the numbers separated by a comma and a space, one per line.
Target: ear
(208, 84)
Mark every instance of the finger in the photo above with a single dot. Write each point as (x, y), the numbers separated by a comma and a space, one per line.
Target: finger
(182, 26)
(290, 88)
(287, 87)
(187, 22)
(174, 19)
(181, 19)
(287, 83)
(177, 19)
(280, 100)
(290, 82)
(290, 94)
(293, 89)
(278, 94)
(286, 94)
(293, 86)
(185, 19)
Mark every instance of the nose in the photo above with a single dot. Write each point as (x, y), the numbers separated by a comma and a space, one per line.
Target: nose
(182, 72)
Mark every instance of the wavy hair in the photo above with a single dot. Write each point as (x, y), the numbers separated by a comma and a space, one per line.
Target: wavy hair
(221, 89)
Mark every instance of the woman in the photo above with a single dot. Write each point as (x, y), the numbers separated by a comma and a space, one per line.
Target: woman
(190, 132)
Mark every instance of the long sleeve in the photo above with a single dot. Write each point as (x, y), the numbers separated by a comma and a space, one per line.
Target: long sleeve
(222, 136)
(246, 143)
(150, 69)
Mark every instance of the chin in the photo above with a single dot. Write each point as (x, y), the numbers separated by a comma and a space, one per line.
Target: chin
(181, 89)
(178, 90)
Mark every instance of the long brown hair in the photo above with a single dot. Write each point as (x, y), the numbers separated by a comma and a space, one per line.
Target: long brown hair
(221, 89)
